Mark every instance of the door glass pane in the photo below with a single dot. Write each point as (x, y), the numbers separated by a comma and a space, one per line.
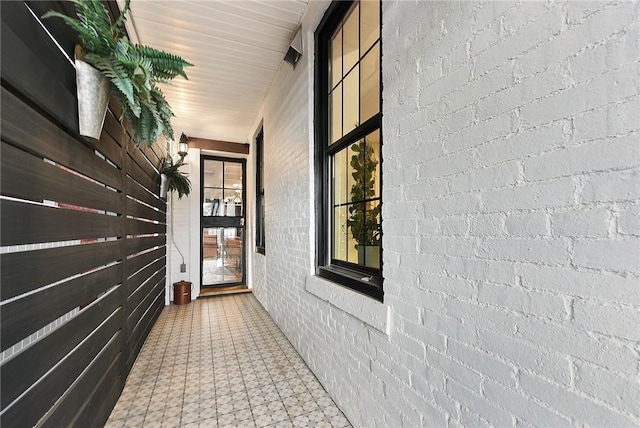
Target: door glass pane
(369, 23)
(222, 255)
(370, 84)
(212, 187)
(232, 196)
(351, 93)
(213, 173)
(351, 43)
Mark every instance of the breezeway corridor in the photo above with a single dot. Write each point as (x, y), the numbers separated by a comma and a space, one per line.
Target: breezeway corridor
(222, 362)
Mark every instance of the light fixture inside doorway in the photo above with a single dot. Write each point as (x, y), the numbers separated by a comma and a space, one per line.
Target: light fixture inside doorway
(183, 146)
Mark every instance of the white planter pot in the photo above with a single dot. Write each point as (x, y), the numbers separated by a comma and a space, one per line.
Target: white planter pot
(93, 98)
(369, 256)
(164, 186)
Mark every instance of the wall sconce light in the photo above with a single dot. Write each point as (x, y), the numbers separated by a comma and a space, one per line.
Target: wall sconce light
(295, 49)
(183, 146)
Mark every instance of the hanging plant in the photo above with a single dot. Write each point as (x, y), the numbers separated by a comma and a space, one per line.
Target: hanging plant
(173, 180)
(133, 70)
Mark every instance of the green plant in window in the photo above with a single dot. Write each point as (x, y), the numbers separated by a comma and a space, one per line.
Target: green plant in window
(363, 217)
(133, 70)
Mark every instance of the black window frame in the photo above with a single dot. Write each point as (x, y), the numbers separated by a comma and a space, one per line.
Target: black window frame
(358, 278)
(260, 229)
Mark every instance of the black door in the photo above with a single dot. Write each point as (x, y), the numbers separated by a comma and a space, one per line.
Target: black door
(222, 221)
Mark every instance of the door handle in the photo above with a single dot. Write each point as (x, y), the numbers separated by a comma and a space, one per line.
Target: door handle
(242, 222)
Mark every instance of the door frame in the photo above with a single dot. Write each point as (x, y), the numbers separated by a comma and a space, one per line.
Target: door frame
(225, 221)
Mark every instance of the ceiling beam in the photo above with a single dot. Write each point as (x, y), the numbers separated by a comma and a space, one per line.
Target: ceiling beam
(220, 146)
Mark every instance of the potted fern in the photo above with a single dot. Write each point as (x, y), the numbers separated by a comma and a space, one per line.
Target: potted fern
(172, 179)
(363, 217)
(133, 72)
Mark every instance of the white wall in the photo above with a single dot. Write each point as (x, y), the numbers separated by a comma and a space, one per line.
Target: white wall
(511, 228)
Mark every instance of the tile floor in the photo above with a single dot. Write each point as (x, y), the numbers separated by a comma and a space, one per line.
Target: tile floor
(221, 362)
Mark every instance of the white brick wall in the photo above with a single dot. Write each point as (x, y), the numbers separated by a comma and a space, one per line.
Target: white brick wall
(511, 220)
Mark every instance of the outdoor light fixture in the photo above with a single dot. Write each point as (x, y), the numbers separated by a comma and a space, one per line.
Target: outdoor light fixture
(295, 49)
(183, 146)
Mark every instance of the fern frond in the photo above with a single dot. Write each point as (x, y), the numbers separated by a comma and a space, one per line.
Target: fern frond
(166, 66)
(119, 78)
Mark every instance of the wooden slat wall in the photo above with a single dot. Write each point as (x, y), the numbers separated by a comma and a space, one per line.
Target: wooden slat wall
(82, 266)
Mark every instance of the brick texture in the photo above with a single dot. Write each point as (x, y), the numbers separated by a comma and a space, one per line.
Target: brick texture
(510, 219)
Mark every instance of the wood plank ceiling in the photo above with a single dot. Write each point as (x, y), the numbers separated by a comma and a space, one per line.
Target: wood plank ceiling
(236, 46)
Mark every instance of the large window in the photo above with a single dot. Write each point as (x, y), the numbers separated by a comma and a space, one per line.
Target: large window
(348, 145)
(260, 244)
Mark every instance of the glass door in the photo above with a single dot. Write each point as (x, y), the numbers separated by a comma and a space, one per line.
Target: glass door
(223, 214)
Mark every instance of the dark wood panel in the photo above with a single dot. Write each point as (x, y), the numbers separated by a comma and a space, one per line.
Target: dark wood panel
(141, 160)
(27, 271)
(111, 139)
(24, 127)
(25, 176)
(27, 223)
(143, 328)
(99, 405)
(75, 373)
(138, 262)
(141, 276)
(99, 378)
(136, 191)
(138, 227)
(137, 245)
(64, 35)
(29, 408)
(220, 146)
(33, 64)
(138, 302)
(152, 153)
(18, 374)
(139, 210)
(25, 316)
(139, 175)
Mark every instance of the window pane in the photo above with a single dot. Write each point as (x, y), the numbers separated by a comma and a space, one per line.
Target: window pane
(335, 104)
(352, 162)
(336, 58)
(370, 84)
(371, 256)
(351, 102)
(340, 233)
(340, 178)
(364, 169)
(355, 224)
(351, 43)
(363, 222)
(369, 24)
(373, 157)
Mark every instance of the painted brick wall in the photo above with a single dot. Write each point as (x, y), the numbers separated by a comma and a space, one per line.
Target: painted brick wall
(511, 228)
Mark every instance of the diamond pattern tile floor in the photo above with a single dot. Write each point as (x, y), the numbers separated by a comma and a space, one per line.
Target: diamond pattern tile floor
(221, 362)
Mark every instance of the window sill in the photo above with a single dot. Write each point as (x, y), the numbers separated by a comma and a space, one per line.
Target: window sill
(364, 308)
